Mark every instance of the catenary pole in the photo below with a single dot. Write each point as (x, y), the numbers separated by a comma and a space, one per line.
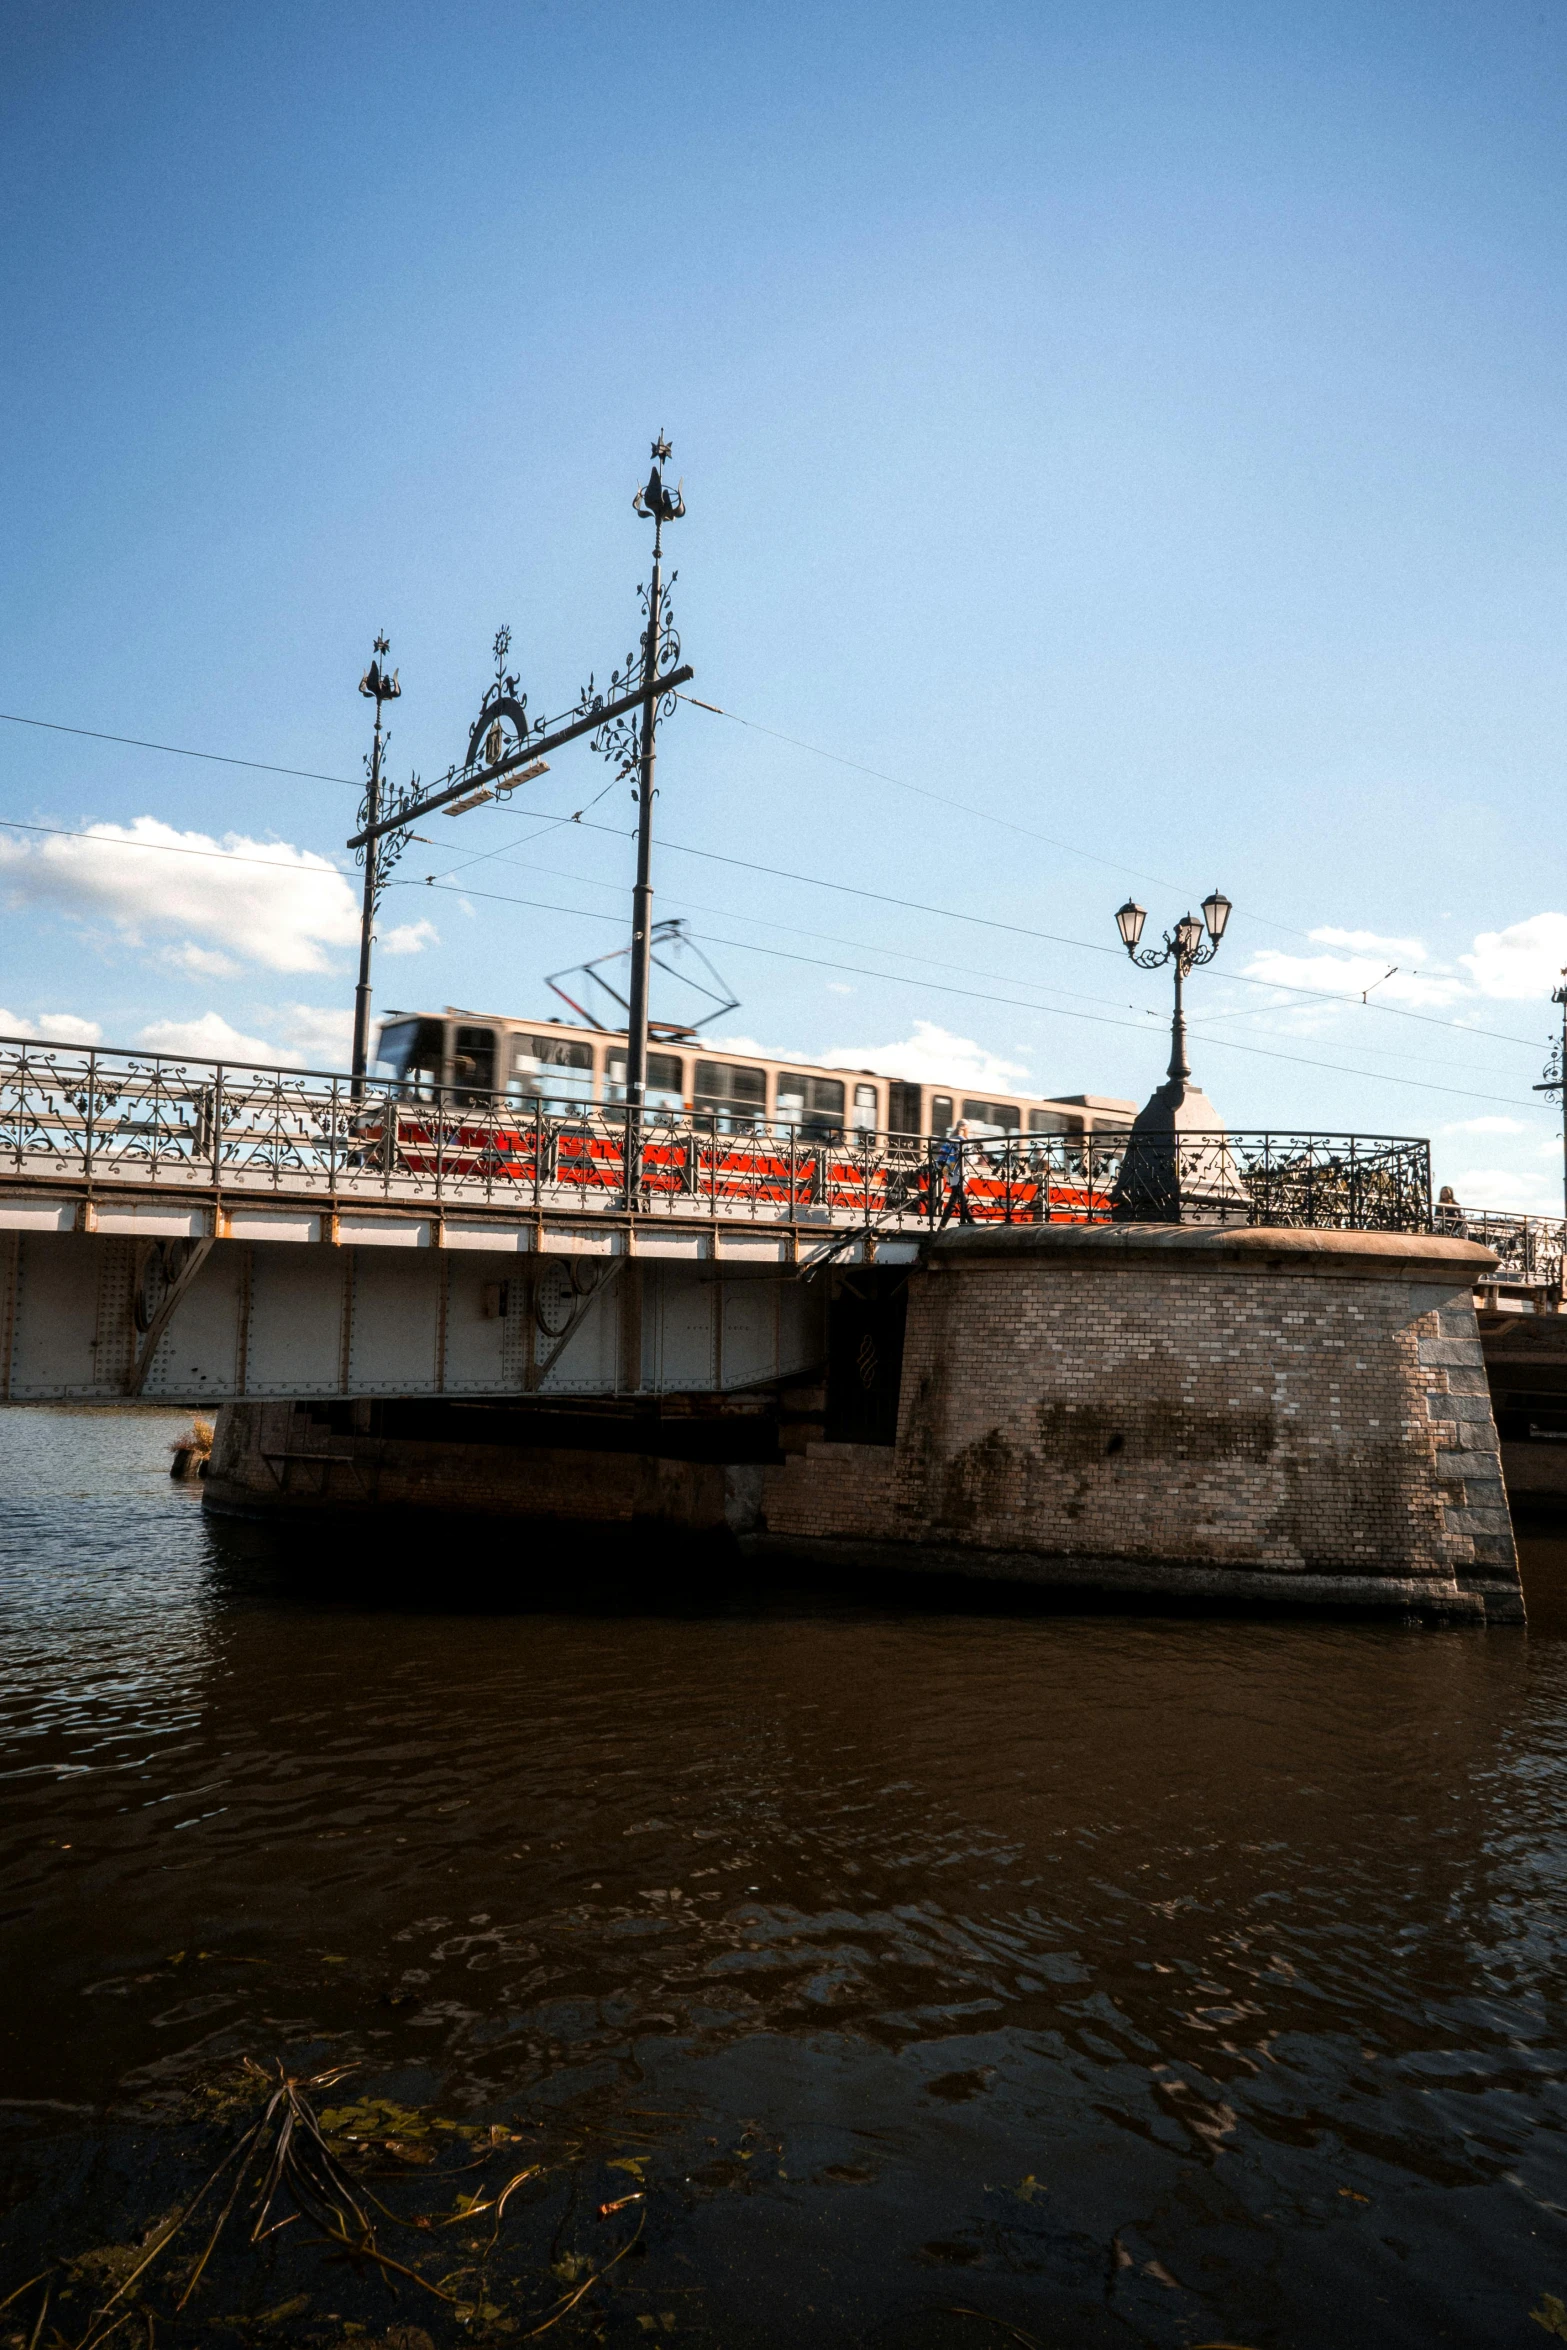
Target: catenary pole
(1555, 1081)
(378, 685)
(660, 505)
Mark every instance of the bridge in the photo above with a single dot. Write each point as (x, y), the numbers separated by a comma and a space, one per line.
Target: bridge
(202, 1233)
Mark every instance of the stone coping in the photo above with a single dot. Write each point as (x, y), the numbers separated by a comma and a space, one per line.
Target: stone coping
(1260, 1248)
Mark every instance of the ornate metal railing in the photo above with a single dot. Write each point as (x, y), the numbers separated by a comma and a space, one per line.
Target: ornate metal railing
(1530, 1247)
(104, 1118)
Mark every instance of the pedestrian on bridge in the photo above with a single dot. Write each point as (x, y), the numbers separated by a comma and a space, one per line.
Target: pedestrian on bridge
(951, 1154)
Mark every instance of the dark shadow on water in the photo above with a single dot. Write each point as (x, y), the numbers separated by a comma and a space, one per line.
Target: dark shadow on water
(432, 1563)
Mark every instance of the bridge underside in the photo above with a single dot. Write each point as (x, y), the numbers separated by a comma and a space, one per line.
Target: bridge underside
(405, 1309)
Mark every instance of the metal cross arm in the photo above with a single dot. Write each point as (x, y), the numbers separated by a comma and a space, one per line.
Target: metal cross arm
(535, 748)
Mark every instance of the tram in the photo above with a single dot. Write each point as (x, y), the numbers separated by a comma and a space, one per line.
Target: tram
(563, 1069)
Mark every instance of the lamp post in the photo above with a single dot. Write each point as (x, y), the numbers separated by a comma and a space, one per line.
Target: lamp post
(378, 684)
(1184, 948)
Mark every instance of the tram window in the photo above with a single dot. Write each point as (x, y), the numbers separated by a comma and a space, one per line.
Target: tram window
(473, 1059)
(991, 1117)
(903, 1110)
(551, 1069)
(940, 1113)
(736, 1096)
(812, 1104)
(865, 1109)
(665, 1080)
(411, 1051)
(1051, 1122)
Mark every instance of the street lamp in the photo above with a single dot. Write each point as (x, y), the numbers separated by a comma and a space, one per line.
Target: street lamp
(1183, 947)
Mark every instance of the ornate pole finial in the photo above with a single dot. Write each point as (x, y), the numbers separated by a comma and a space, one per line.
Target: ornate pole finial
(379, 684)
(653, 502)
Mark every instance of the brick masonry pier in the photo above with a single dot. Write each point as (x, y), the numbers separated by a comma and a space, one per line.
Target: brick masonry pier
(1206, 1412)
(1214, 1414)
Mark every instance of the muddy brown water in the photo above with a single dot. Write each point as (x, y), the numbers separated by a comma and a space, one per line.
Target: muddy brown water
(929, 1970)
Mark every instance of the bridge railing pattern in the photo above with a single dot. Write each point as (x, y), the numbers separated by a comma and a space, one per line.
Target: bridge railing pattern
(1530, 1247)
(98, 1116)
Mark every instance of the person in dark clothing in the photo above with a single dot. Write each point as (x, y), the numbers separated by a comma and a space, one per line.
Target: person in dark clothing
(950, 1157)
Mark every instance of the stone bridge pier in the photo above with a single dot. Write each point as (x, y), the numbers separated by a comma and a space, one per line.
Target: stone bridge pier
(1210, 1414)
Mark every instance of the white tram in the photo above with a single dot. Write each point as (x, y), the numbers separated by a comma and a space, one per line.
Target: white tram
(562, 1068)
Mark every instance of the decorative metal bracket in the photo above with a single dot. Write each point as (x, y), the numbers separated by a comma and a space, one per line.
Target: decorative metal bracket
(502, 703)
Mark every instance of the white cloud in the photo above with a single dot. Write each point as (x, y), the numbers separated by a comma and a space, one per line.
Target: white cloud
(1349, 975)
(208, 1039)
(932, 1056)
(1525, 960)
(409, 938)
(762, 1052)
(313, 1036)
(200, 962)
(1486, 1126)
(839, 987)
(320, 1035)
(1371, 942)
(263, 901)
(1508, 1187)
(1522, 963)
(51, 1028)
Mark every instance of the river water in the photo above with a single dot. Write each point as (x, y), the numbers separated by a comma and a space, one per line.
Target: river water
(920, 1972)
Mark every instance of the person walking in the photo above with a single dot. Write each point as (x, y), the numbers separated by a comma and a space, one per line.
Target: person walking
(950, 1167)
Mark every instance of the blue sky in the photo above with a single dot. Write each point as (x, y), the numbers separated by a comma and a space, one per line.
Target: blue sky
(1142, 427)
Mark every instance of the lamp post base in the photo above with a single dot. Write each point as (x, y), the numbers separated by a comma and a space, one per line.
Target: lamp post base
(1178, 1168)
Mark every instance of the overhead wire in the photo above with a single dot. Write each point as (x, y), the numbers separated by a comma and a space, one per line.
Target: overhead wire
(1199, 1025)
(965, 807)
(1013, 929)
(755, 726)
(327, 872)
(218, 758)
(1297, 993)
(169, 848)
(939, 987)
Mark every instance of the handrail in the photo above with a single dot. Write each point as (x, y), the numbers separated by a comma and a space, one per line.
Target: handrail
(99, 1117)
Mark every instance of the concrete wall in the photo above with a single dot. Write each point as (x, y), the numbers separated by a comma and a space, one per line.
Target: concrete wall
(1251, 1414)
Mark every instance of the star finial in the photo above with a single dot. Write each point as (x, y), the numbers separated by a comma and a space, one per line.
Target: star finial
(662, 452)
(383, 643)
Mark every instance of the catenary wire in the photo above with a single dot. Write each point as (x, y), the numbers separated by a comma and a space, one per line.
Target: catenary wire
(965, 807)
(1395, 1011)
(990, 922)
(326, 872)
(1199, 1024)
(171, 848)
(754, 725)
(817, 750)
(174, 750)
(977, 995)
